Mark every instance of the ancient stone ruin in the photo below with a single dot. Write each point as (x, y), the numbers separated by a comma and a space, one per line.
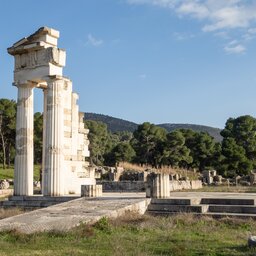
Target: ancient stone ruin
(39, 65)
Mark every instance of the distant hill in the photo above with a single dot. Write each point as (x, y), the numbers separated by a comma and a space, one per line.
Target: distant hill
(214, 132)
(116, 124)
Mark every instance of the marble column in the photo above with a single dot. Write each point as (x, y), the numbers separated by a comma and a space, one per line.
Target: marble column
(44, 138)
(54, 158)
(24, 159)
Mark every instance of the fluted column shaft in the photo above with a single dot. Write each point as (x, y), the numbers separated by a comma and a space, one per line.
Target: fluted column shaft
(54, 159)
(44, 139)
(24, 159)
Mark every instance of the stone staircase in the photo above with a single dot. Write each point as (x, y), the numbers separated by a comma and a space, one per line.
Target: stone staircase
(216, 207)
(34, 202)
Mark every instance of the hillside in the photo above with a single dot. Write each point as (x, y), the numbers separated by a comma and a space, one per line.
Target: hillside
(116, 124)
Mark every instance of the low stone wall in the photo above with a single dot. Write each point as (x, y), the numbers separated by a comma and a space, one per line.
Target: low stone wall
(182, 184)
(139, 186)
(124, 186)
(6, 192)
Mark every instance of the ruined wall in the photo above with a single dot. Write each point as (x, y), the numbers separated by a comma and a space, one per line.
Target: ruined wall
(140, 186)
(182, 184)
(75, 144)
(124, 186)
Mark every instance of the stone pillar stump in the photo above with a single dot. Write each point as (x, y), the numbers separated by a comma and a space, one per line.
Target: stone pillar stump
(158, 185)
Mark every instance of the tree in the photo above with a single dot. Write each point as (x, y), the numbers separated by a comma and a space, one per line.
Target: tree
(99, 138)
(38, 137)
(243, 131)
(122, 152)
(235, 161)
(239, 145)
(7, 130)
(203, 149)
(147, 143)
(175, 152)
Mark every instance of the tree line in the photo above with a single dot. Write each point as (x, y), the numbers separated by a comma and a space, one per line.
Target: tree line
(150, 144)
(183, 148)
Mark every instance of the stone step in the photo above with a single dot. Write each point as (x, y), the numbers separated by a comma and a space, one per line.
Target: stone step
(27, 204)
(34, 202)
(228, 201)
(230, 214)
(211, 214)
(177, 208)
(176, 201)
(43, 198)
(232, 209)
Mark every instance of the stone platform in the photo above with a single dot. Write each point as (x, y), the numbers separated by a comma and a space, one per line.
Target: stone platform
(206, 203)
(34, 202)
(64, 216)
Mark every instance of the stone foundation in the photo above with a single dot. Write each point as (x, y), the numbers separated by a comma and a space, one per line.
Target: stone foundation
(140, 186)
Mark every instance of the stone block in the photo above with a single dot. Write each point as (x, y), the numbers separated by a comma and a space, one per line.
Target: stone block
(91, 190)
(158, 185)
(4, 184)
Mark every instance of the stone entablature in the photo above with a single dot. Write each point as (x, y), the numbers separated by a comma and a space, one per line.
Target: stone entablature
(38, 64)
(37, 57)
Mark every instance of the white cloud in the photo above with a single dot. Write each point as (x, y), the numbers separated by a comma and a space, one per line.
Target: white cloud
(162, 3)
(91, 40)
(221, 17)
(235, 49)
(194, 9)
(222, 34)
(218, 14)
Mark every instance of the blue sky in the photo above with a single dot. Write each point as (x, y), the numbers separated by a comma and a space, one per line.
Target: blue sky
(178, 61)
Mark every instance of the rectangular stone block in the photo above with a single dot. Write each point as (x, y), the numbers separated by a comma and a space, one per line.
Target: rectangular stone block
(91, 190)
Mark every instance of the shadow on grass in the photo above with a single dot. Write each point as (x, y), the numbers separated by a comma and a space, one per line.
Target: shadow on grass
(250, 251)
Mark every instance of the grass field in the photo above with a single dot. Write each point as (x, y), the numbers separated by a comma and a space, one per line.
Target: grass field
(139, 235)
(8, 173)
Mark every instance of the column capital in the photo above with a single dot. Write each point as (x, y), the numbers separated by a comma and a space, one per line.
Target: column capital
(51, 79)
(25, 84)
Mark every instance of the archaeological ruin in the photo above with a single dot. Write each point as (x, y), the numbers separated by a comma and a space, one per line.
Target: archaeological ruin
(39, 65)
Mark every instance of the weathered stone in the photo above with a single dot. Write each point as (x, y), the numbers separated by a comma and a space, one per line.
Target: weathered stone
(158, 185)
(252, 241)
(37, 184)
(65, 216)
(122, 186)
(253, 177)
(218, 179)
(208, 176)
(4, 184)
(39, 64)
(91, 190)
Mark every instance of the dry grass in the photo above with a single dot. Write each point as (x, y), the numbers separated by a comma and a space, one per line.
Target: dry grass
(224, 188)
(165, 169)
